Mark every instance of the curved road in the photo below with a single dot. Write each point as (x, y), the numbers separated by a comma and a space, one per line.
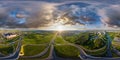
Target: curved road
(15, 55)
(52, 55)
(85, 56)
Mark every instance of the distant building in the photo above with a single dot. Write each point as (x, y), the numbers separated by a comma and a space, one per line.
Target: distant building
(101, 33)
(9, 35)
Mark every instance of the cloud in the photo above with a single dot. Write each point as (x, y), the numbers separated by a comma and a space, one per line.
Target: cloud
(76, 13)
(110, 16)
(25, 14)
(34, 14)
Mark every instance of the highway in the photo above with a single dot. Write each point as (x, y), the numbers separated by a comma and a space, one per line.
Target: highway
(2, 55)
(45, 50)
(52, 56)
(85, 56)
(109, 53)
(38, 55)
(116, 51)
(15, 55)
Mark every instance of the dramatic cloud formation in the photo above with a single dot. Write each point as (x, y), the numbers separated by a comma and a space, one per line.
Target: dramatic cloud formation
(80, 13)
(111, 16)
(24, 14)
(37, 14)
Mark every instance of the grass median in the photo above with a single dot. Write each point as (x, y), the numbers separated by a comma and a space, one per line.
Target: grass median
(67, 51)
(31, 50)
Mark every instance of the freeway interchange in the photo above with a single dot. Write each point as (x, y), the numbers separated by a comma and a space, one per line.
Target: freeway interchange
(52, 54)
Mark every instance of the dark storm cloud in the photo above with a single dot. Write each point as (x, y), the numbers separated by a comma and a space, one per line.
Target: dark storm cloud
(79, 13)
(104, 15)
(34, 14)
(111, 16)
(13, 13)
(114, 16)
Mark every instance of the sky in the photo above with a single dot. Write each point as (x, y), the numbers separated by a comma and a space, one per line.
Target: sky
(49, 14)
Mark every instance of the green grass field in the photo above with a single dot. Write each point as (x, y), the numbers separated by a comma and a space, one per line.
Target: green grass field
(6, 50)
(66, 51)
(35, 43)
(38, 58)
(59, 40)
(35, 38)
(116, 45)
(30, 50)
(79, 38)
